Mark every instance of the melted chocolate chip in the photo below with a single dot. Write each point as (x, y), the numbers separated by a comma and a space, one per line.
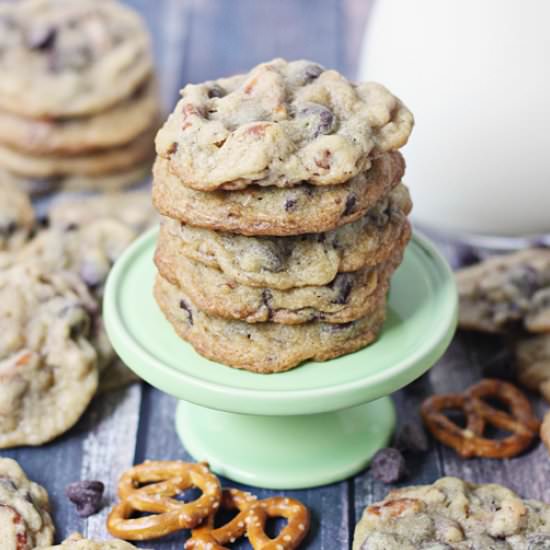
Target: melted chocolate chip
(86, 495)
(351, 202)
(343, 285)
(216, 91)
(312, 72)
(185, 306)
(388, 465)
(319, 117)
(290, 204)
(41, 38)
(266, 300)
(172, 149)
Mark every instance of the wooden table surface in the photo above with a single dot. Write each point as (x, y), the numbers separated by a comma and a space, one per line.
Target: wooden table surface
(203, 39)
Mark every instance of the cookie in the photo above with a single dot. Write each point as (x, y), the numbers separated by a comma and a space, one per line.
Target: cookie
(281, 124)
(63, 59)
(286, 262)
(506, 291)
(76, 542)
(25, 521)
(454, 514)
(263, 347)
(274, 211)
(48, 366)
(94, 164)
(16, 217)
(111, 128)
(533, 363)
(347, 298)
(105, 183)
(134, 209)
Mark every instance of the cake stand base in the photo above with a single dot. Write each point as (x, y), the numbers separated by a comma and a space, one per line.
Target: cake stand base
(286, 452)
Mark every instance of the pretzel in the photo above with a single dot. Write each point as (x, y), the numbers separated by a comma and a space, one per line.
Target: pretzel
(469, 441)
(149, 487)
(250, 522)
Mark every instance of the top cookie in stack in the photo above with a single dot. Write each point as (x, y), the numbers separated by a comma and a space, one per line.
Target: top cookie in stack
(284, 214)
(78, 104)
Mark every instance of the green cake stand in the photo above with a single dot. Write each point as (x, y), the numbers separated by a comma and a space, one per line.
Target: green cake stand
(316, 424)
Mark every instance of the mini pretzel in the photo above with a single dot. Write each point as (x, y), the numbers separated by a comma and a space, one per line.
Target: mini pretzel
(149, 487)
(251, 521)
(469, 441)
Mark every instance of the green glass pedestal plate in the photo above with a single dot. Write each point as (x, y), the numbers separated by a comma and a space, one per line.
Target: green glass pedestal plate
(316, 424)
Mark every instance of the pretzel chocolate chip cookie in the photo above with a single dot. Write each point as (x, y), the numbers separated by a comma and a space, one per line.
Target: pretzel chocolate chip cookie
(504, 291)
(454, 514)
(25, 521)
(77, 542)
(280, 124)
(257, 210)
(533, 363)
(69, 49)
(16, 217)
(264, 347)
(287, 262)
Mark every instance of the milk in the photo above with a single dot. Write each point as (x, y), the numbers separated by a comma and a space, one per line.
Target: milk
(476, 74)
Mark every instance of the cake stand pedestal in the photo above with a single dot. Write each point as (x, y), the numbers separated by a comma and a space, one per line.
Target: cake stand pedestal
(313, 425)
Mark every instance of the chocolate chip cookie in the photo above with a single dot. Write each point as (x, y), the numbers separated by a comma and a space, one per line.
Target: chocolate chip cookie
(286, 262)
(263, 347)
(114, 127)
(454, 514)
(347, 298)
(257, 210)
(134, 209)
(76, 542)
(48, 366)
(111, 161)
(16, 217)
(281, 124)
(533, 363)
(507, 291)
(57, 56)
(25, 521)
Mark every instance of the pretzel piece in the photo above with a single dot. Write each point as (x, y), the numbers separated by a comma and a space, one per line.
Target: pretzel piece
(251, 521)
(149, 487)
(469, 441)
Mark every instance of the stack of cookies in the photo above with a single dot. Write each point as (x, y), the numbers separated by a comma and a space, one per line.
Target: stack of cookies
(284, 215)
(78, 104)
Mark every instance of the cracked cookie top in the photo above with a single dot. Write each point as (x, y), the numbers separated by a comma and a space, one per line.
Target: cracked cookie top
(280, 124)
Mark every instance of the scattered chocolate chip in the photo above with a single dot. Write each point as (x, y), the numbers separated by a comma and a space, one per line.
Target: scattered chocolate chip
(388, 465)
(216, 91)
(185, 306)
(86, 495)
(351, 201)
(41, 38)
(290, 204)
(312, 72)
(343, 285)
(411, 438)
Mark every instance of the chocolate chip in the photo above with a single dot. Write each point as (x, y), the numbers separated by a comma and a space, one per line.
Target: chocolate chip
(78, 320)
(312, 72)
(172, 149)
(343, 285)
(274, 255)
(336, 327)
(351, 201)
(7, 229)
(216, 91)
(319, 118)
(411, 438)
(185, 306)
(267, 296)
(388, 465)
(290, 204)
(86, 495)
(41, 38)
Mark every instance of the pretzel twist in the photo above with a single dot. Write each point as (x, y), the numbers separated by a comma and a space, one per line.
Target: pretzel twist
(251, 521)
(469, 441)
(164, 480)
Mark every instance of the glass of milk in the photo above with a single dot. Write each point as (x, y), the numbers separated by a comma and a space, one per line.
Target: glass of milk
(476, 74)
